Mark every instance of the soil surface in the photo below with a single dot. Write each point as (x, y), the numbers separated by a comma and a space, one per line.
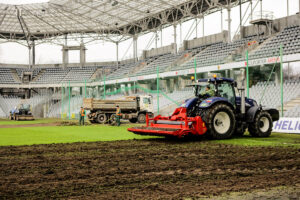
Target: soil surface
(28, 125)
(143, 169)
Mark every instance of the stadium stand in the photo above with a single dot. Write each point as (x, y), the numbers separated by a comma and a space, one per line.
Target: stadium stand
(289, 38)
(293, 112)
(122, 71)
(2, 114)
(271, 92)
(162, 61)
(6, 76)
(8, 103)
(206, 55)
(21, 71)
(79, 74)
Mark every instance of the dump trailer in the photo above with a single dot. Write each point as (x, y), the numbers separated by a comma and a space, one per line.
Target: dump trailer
(21, 113)
(133, 108)
(219, 110)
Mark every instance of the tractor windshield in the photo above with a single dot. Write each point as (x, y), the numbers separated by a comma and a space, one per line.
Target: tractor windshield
(25, 106)
(227, 91)
(205, 88)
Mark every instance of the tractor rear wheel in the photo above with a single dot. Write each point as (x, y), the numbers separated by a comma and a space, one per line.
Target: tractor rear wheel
(220, 121)
(101, 118)
(262, 125)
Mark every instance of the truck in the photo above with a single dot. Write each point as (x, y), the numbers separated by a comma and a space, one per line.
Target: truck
(133, 108)
(21, 112)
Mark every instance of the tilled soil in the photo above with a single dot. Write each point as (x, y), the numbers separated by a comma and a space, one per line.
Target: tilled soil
(143, 169)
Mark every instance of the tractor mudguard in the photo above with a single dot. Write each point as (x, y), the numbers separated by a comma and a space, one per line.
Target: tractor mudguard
(250, 114)
(213, 100)
(274, 113)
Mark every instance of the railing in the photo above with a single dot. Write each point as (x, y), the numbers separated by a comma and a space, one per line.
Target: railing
(263, 15)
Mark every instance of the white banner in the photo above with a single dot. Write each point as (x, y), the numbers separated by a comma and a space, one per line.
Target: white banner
(287, 125)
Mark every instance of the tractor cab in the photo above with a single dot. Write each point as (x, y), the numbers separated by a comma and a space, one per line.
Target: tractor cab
(210, 91)
(216, 87)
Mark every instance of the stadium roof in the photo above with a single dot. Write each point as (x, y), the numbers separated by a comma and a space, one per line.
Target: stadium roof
(101, 17)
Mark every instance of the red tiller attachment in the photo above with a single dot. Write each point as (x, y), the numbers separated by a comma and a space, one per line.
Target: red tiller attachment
(178, 124)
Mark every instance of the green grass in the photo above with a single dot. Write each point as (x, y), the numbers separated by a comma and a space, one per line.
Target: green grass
(69, 134)
(64, 134)
(37, 121)
(276, 139)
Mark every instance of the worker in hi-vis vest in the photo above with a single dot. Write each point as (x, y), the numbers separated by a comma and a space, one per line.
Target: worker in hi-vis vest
(81, 116)
(118, 116)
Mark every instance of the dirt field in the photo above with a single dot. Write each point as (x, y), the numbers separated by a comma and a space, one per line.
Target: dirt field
(143, 169)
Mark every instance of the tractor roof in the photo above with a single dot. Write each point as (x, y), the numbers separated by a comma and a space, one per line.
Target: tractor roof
(212, 80)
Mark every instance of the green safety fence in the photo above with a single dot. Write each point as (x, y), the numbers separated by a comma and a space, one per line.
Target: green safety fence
(269, 78)
(67, 96)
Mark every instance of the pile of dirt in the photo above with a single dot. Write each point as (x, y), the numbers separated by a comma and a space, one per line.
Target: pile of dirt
(73, 123)
(143, 169)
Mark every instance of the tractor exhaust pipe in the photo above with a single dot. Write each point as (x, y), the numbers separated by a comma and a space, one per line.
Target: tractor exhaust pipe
(242, 89)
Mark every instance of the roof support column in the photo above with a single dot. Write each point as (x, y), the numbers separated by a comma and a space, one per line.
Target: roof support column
(161, 36)
(251, 10)
(287, 8)
(33, 52)
(30, 57)
(156, 39)
(196, 27)
(135, 47)
(203, 26)
(229, 23)
(222, 29)
(241, 21)
(175, 39)
(261, 9)
(180, 32)
(65, 52)
(82, 54)
(117, 53)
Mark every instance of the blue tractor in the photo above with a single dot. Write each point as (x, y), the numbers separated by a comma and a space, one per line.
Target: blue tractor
(219, 110)
(227, 112)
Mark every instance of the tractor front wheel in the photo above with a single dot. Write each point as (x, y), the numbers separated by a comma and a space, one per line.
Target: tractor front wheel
(220, 121)
(262, 125)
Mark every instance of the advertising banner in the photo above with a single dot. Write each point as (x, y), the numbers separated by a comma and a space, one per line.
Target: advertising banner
(287, 125)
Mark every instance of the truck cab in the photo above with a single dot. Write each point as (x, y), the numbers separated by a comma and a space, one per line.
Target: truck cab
(146, 103)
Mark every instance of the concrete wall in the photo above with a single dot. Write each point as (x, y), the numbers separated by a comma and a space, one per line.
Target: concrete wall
(279, 24)
(159, 51)
(210, 39)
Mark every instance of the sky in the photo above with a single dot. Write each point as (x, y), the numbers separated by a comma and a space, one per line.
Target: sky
(105, 51)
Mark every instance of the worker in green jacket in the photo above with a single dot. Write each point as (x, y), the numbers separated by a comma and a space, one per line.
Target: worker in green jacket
(118, 115)
(208, 92)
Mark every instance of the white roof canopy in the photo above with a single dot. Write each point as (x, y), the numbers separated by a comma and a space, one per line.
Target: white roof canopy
(101, 17)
